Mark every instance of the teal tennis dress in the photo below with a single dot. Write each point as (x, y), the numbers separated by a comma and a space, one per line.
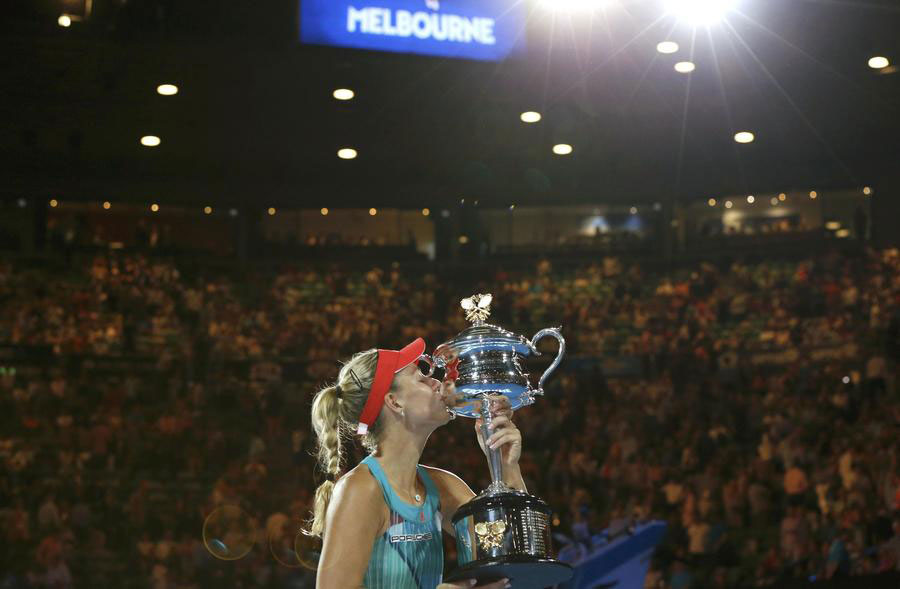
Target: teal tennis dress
(410, 555)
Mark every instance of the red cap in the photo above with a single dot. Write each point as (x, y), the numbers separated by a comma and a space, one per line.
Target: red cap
(390, 362)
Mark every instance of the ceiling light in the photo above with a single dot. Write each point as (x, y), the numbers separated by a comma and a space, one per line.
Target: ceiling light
(728, 204)
(106, 204)
(54, 203)
(324, 211)
(841, 233)
(782, 197)
(154, 207)
(426, 212)
(744, 137)
(343, 94)
(347, 153)
(685, 67)
(774, 201)
(751, 199)
(878, 62)
(813, 194)
(272, 211)
(373, 211)
(207, 210)
(64, 20)
(167, 89)
(832, 225)
(711, 202)
(700, 12)
(867, 190)
(150, 141)
(562, 149)
(530, 116)
(633, 210)
(667, 47)
(463, 239)
(512, 207)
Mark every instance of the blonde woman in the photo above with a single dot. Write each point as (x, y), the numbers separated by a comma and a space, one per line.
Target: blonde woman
(381, 522)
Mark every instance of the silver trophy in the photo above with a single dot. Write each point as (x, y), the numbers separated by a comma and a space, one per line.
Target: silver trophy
(502, 532)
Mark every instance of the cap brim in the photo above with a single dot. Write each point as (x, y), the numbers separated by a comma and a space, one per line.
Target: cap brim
(409, 353)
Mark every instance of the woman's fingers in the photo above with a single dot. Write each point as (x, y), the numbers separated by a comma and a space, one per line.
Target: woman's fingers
(504, 437)
(501, 584)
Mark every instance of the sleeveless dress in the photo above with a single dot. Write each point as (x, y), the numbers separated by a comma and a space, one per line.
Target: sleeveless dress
(410, 555)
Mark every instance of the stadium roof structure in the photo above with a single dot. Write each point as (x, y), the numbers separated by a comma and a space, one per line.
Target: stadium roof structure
(254, 118)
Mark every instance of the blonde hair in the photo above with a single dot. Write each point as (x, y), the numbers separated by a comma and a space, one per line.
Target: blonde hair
(335, 417)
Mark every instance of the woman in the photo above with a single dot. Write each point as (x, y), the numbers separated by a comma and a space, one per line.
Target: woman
(381, 522)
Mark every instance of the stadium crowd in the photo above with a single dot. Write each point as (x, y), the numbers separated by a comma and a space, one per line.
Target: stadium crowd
(752, 406)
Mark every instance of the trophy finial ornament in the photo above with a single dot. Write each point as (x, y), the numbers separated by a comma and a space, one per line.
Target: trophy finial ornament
(477, 307)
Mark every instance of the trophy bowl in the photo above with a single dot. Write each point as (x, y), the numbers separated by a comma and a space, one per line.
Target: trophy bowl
(502, 532)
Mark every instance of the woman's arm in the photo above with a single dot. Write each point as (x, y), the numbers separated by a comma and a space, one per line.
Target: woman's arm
(454, 492)
(354, 519)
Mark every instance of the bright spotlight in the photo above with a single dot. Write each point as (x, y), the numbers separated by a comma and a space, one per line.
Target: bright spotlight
(813, 194)
(324, 211)
(343, 94)
(685, 67)
(150, 141)
(562, 149)
(667, 47)
(54, 203)
(106, 205)
(782, 197)
(154, 207)
(373, 211)
(744, 137)
(64, 20)
(700, 12)
(867, 190)
(879, 62)
(530, 116)
(633, 210)
(573, 5)
(832, 225)
(425, 212)
(271, 211)
(167, 89)
(728, 204)
(207, 210)
(774, 201)
(347, 153)
(711, 202)
(751, 199)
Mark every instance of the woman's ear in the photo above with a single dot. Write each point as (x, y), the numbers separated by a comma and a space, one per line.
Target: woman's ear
(390, 401)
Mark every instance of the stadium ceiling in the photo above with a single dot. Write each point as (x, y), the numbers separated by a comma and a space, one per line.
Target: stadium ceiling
(254, 119)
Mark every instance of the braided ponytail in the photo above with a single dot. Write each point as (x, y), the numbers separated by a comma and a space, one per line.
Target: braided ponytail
(326, 421)
(335, 413)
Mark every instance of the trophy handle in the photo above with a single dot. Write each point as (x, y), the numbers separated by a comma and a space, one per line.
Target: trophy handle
(554, 332)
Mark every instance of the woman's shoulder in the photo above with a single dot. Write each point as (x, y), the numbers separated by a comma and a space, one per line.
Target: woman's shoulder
(358, 482)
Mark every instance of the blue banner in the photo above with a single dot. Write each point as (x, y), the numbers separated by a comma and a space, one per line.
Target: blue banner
(474, 29)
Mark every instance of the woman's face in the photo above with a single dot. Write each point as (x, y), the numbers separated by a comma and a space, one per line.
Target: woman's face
(422, 397)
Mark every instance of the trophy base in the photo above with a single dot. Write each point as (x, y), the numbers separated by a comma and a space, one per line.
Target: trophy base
(523, 572)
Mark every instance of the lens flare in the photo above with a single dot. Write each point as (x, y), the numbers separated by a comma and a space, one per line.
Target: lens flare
(229, 533)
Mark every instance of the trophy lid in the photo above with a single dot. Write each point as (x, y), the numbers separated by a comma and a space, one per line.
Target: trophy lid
(481, 335)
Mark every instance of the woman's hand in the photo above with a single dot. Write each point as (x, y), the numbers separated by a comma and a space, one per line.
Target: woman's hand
(470, 584)
(504, 433)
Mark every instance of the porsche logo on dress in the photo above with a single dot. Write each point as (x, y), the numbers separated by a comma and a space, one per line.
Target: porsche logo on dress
(412, 537)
